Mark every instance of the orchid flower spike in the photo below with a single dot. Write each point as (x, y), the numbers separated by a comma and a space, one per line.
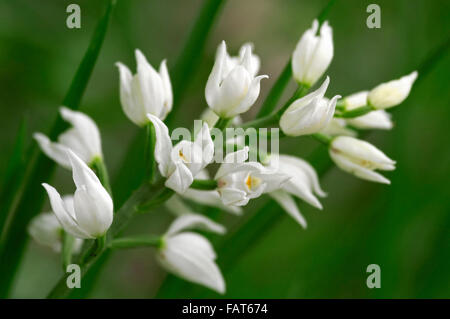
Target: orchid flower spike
(145, 92)
(360, 158)
(309, 114)
(313, 54)
(391, 93)
(232, 87)
(91, 213)
(190, 255)
(378, 119)
(239, 181)
(83, 138)
(46, 230)
(182, 162)
(303, 183)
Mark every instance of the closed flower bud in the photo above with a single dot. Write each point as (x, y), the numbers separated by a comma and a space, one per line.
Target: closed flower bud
(360, 158)
(190, 255)
(91, 213)
(313, 54)
(309, 114)
(356, 100)
(338, 127)
(379, 119)
(145, 92)
(83, 138)
(232, 87)
(392, 93)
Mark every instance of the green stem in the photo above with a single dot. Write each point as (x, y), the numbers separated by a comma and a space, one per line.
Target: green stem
(192, 53)
(276, 91)
(163, 196)
(222, 123)
(67, 248)
(204, 184)
(137, 241)
(322, 138)
(150, 152)
(40, 168)
(360, 111)
(99, 168)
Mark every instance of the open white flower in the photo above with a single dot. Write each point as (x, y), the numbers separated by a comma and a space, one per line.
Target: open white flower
(232, 87)
(182, 162)
(46, 230)
(239, 181)
(91, 213)
(190, 255)
(145, 92)
(303, 183)
(391, 93)
(313, 54)
(209, 198)
(83, 138)
(309, 114)
(360, 158)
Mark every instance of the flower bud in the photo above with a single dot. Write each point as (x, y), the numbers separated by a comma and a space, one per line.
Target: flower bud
(232, 87)
(145, 92)
(309, 114)
(91, 213)
(379, 119)
(360, 158)
(392, 93)
(313, 54)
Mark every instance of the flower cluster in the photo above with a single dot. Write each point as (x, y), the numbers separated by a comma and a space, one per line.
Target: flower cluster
(184, 168)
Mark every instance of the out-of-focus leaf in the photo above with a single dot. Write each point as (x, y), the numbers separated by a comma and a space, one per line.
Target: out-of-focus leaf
(39, 167)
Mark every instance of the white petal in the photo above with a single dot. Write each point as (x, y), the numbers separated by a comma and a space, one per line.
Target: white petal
(55, 151)
(210, 198)
(194, 221)
(130, 96)
(191, 257)
(87, 130)
(180, 179)
(288, 204)
(163, 147)
(66, 220)
(46, 230)
(168, 96)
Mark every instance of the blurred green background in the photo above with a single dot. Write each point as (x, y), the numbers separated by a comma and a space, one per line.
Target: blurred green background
(404, 227)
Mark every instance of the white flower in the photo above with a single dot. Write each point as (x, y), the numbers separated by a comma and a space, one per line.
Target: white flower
(303, 183)
(239, 181)
(190, 255)
(379, 119)
(338, 127)
(46, 230)
(392, 93)
(83, 138)
(313, 54)
(145, 92)
(309, 114)
(209, 198)
(360, 158)
(91, 213)
(255, 61)
(182, 162)
(232, 88)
